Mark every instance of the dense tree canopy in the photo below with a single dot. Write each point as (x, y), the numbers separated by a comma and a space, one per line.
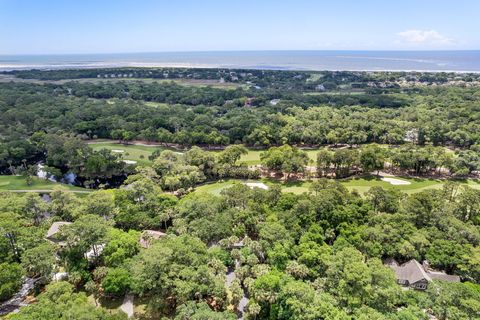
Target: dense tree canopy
(185, 253)
(40, 121)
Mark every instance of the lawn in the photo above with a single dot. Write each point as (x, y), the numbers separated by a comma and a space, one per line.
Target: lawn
(18, 183)
(361, 185)
(140, 153)
(113, 305)
(216, 187)
(130, 152)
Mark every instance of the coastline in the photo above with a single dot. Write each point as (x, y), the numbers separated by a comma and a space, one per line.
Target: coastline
(45, 67)
(336, 60)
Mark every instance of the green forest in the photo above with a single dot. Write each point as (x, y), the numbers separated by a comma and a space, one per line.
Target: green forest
(166, 193)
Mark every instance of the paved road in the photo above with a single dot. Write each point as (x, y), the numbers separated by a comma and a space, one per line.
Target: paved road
(127, 305)
(229, 278)
(241, 306)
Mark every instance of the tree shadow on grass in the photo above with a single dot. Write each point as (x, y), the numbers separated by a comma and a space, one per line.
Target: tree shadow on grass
(289, 183)
(111, 303)
(465, 180)
(368, 177)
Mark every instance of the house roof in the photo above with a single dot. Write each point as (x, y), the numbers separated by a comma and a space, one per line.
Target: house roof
(413, 271)
(435, 275)
(55, 228)
(154, 234)
(147, 235)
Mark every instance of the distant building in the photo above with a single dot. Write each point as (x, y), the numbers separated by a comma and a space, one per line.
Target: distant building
(358, 85)
(238, 244)
(148, 236)
(274, 102)
(411, 136)
(417, 276)
(53, 233)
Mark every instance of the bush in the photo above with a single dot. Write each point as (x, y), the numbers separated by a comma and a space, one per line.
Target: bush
(10, 280)
(117, 282)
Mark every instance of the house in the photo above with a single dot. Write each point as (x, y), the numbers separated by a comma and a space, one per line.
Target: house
(411, 136)
(417, 276)
(274, 102)
(238, 244)
(53, 233)
(149, 235)
(95, 252)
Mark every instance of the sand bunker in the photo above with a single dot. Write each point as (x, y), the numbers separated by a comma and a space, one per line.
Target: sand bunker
(396, 182)
(256, 185)
(118, 150)
(129, 161)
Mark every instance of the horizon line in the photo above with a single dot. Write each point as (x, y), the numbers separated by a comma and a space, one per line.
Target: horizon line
(242, 50)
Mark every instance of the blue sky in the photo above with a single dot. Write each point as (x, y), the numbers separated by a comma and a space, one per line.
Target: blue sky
(107, 26)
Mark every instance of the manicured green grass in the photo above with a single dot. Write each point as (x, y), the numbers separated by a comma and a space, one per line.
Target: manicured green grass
(140, 153)
(361, 185)
(252, 157)
(214, 188)
(107, 303)
(140, 306)
(135, 152)
(131, 152)
(18, 183)
(217, 187)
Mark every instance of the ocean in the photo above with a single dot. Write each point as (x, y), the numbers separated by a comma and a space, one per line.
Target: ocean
(457, 61)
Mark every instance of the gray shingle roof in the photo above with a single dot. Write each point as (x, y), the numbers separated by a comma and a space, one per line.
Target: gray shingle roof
(435, 275)
(148, 235)
(55, 228)
(412, 271)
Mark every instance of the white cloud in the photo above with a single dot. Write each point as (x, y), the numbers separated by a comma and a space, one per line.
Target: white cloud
(424, 37)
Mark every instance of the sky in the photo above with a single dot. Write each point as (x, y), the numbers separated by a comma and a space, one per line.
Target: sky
(117, 26)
